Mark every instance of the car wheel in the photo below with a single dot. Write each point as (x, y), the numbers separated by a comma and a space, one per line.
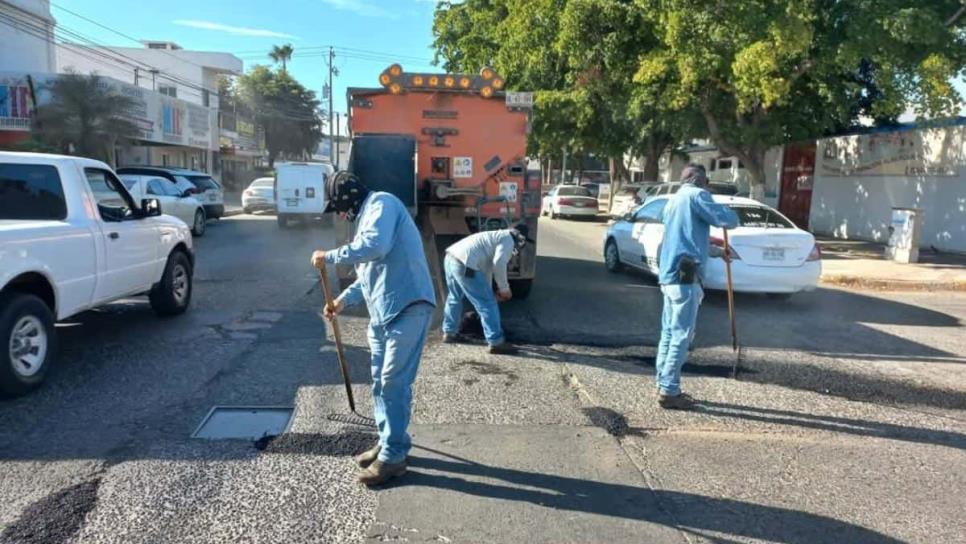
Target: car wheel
(612, 257)
(200, 224)
(553, 214)
(172, 295)
(247, 211)
(29, 343)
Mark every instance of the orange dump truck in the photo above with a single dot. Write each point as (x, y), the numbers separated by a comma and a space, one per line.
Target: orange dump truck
(453, 148)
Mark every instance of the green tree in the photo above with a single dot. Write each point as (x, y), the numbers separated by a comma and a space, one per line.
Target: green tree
(287, 112)
(765, 72)
(282, 54)
(85, 116)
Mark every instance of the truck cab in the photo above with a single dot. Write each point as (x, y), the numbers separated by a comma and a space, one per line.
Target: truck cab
(72, 238)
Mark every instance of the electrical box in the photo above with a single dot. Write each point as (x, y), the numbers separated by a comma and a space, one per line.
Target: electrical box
(905, 231)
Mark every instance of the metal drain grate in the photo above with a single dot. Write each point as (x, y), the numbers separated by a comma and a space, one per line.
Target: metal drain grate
(244, 422)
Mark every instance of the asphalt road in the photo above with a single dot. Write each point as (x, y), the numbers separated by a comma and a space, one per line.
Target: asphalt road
(847, 422)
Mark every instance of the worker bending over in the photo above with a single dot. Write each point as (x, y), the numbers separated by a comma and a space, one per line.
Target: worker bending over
(471, 265)
(393, 279)
(688, 217)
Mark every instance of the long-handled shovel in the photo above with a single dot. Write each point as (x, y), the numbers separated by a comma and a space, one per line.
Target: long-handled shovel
(337, 335)
(731, 308)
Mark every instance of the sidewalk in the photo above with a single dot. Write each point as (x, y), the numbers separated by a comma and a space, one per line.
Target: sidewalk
(853, 263)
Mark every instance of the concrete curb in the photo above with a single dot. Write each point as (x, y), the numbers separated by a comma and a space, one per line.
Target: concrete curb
(233, 213)
(888, 284)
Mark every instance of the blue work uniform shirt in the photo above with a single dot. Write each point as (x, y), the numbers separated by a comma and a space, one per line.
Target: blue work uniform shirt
(688, 217)
(387, 252)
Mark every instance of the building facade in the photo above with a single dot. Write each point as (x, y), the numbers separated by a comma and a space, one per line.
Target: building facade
(26, 45)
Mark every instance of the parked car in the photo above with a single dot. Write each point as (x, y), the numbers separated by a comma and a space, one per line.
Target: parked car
(260, 195)
(628, 197)
(201, 185)
(73, 238)
(300, 190)
(569, 201)
(770, 254)
(714, 187)
(174, 201)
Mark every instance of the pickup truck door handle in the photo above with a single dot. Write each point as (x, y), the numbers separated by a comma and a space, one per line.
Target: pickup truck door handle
(113, 236)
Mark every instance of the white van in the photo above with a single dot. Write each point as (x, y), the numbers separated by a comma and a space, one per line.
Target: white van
(300, 190)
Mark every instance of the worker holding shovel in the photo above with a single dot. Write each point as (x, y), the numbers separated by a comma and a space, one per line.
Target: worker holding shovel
(688, 217)
(393, 280)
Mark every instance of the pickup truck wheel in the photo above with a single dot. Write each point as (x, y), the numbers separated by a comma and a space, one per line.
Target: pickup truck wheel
(198, 228)
(29, 343)
(172, 294)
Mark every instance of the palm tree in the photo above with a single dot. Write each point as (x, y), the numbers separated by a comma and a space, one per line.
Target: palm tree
(85, 116)
(282, 54)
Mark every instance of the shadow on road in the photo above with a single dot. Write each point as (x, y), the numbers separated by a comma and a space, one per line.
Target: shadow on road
(684, 510)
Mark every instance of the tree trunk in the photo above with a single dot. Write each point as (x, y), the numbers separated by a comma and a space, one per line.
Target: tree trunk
(755, 164)
(652, 159)
(617, 178)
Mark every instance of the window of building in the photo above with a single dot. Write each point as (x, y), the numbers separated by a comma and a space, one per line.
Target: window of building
(31, 191)
(168, 90)
(205, 98)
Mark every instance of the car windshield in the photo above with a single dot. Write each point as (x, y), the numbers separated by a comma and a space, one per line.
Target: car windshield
(761, 217)
(203, 183)
(573, 191)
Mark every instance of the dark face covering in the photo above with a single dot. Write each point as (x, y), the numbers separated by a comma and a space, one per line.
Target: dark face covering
(346, 194)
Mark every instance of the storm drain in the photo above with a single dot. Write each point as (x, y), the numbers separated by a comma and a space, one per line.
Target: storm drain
(244, 422)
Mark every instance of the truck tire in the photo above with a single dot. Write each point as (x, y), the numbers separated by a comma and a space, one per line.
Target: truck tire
(282, 220)
(172, 295)
(200, 224)
(521, 288)
(29, 343)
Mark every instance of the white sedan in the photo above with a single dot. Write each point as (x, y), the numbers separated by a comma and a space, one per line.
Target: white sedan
(260, 195)
(569, 201)
(770, 254)
(173, 200)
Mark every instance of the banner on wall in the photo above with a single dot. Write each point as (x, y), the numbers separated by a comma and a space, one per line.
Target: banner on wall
(935, 152)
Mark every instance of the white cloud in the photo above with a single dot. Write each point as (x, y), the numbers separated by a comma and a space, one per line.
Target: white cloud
(237, 30)
(366, 8)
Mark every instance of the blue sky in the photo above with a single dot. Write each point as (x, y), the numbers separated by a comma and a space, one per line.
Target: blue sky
(370, 33)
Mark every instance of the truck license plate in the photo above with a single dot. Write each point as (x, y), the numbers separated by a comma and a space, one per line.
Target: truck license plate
(291, 202)
(773, 254)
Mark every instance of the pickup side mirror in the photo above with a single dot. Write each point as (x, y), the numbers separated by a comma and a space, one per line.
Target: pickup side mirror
(150, 207)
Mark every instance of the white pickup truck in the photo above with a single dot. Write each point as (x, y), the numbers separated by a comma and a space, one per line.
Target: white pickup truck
(72, 238)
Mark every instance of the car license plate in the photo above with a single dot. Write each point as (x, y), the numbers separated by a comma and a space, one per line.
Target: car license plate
(773, 254)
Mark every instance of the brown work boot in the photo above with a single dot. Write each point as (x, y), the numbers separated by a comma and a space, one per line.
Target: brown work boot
(366, 458)
(504, 348)
(379, 472)
(676, 402)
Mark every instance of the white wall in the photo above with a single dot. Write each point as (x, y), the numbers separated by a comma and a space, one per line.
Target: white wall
(859, 179)
(196, 70)
(22, 49)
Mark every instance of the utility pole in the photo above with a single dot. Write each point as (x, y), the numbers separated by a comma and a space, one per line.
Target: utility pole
(332, 156)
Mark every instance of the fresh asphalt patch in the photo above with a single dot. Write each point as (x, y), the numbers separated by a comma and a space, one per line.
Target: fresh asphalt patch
(54, 519)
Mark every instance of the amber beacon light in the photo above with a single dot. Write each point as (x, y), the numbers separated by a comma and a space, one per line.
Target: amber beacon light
(487, 84)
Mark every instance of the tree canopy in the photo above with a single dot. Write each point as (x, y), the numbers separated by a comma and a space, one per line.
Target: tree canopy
(85, 116)
(642, 75)
(287, 112)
